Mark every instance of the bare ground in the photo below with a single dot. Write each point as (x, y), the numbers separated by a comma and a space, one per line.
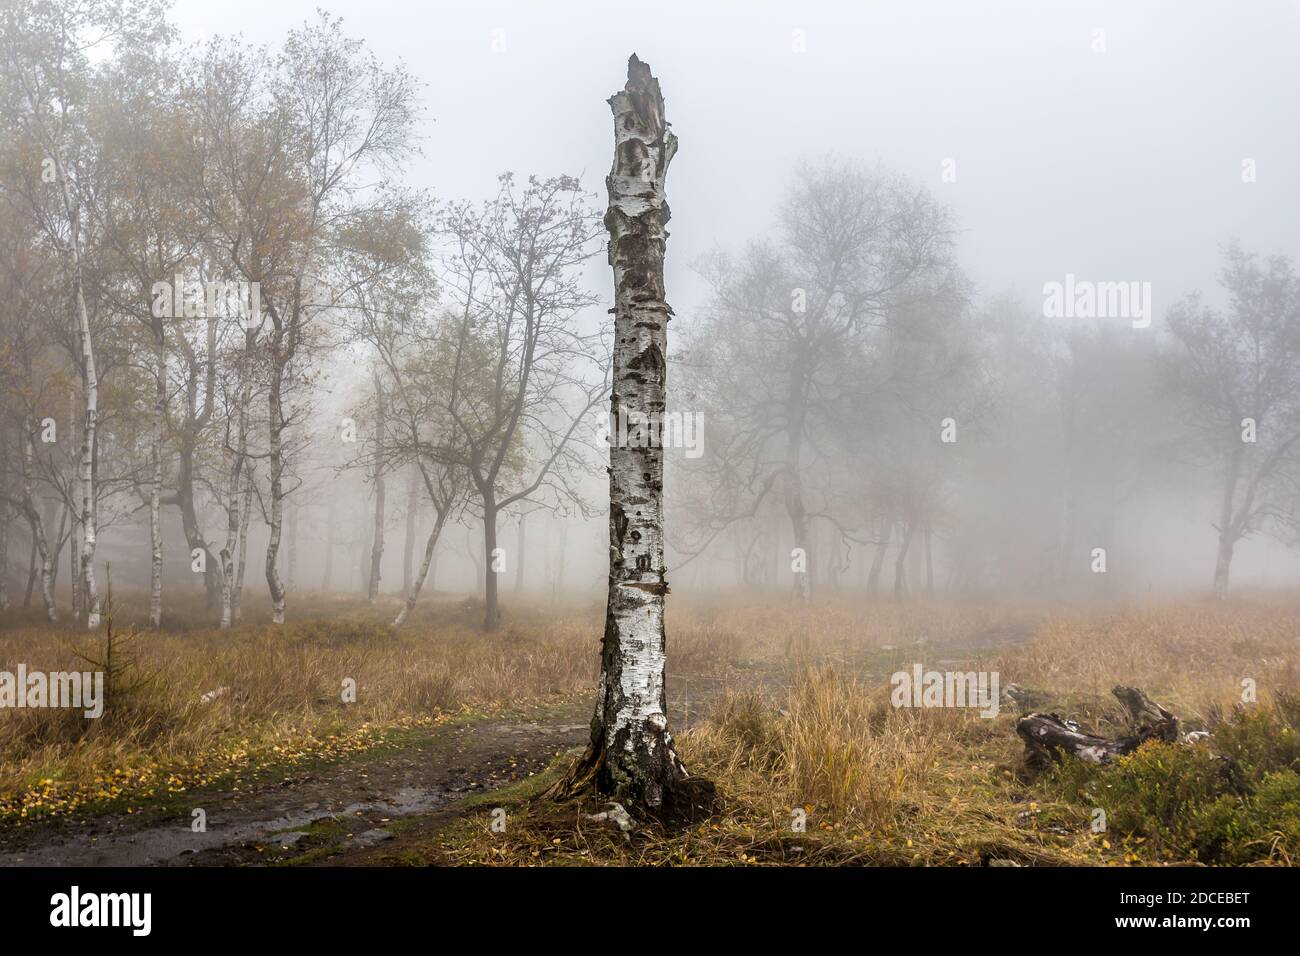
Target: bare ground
(316, 814)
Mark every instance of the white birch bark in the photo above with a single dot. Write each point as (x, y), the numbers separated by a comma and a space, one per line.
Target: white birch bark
(445, 495)
(74, 536)
(233, 492)
(228, 554)
(631, 753)
(90, 421)
(413, 594)
(232, 576)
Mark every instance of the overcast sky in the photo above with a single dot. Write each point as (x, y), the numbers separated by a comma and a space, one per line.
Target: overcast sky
(1119, 164)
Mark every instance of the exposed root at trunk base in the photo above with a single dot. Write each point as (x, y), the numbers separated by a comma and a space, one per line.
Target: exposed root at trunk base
(683, 802)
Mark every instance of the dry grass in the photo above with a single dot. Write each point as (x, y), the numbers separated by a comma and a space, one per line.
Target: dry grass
(275, 691)
(1191, 656)
(833, 747)
(801, 727)
(931, 787)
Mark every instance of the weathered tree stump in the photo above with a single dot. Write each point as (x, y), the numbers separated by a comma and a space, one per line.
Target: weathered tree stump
(1049, 737)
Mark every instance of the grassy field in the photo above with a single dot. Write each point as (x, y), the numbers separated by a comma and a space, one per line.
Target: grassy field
(785, 708)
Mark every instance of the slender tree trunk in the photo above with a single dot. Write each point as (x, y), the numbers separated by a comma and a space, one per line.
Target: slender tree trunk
(412, 510)
(234, 522)
(834, 557)
(38, 529)
(31, 575)
(276, 414)
(74, 508)
(929, 559)
(900, 563)
(228, 553)
(377, 544)
(56, 540)
(330, 521)
(413, 593)
(361, 552)
(238, 599)
(155, 489)
(475, 558)
(799, 526)
(1223, 563)
(1227, 531)
(90, 387)
(190, 521)
(519, 555)
(195, 422)
(491, 599)
(631, 754)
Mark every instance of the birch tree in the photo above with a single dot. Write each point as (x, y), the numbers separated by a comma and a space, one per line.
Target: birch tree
(300, 150)
(148, 222)
(631, 754)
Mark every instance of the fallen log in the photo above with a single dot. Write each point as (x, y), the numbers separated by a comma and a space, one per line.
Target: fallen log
(1049, 737)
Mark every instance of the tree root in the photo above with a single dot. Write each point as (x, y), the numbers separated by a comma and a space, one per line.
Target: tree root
(688, 801)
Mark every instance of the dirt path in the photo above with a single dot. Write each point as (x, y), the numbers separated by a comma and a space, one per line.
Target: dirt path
(337, 811)
(340, 807)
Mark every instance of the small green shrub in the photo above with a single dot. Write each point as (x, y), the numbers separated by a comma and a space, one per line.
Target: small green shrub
(1194, 803)
(1262, 739)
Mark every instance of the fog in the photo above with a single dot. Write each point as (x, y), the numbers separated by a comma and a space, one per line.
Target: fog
(870, 206)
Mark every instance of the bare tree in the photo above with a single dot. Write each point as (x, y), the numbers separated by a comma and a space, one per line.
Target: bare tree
(520, 369)
(768, 362)
(1239, 374)
(44, 50)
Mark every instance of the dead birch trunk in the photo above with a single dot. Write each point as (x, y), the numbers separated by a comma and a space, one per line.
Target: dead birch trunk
(631, 754)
